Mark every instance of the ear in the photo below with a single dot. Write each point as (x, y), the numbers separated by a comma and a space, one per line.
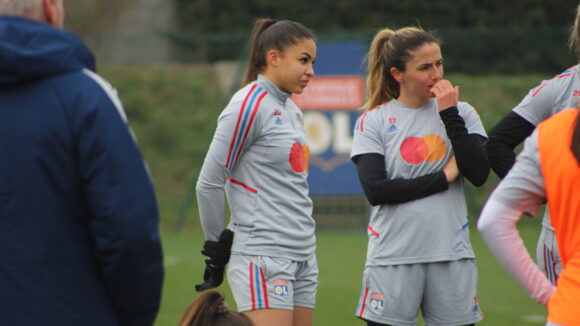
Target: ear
(397, 75)
(273, 58)
(50, 12)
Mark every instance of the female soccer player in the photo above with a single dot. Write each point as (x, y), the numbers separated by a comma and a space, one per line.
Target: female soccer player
(543, 101)
(260, 157)
(410, 147)
(548, 168)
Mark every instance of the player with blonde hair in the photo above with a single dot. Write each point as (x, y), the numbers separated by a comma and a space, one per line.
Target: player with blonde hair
(413, 146)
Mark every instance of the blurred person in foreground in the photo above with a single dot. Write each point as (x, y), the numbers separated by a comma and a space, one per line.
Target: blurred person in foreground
(548, 168)
(210, 308)
(541, 102)
(79, 242)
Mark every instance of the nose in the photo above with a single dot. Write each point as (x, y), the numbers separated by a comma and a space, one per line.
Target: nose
(437, 73)
(310, 70)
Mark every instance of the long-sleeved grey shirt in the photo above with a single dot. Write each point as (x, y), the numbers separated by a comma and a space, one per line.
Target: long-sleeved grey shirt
(259, 157)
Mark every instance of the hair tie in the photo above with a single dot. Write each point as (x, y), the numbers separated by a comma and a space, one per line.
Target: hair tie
(272, 22)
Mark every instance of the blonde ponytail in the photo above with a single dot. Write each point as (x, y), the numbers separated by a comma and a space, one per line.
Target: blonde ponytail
(376, 67)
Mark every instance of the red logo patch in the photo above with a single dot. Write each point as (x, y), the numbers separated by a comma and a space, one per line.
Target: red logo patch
(377, 296)
(280, 282)
(299, 157)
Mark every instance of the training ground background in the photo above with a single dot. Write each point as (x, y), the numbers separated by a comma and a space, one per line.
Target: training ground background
(173, 111)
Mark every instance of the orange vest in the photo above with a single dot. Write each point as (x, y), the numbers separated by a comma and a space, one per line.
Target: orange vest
(561, 174)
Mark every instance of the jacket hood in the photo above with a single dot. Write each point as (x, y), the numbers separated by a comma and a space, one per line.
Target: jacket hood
(32, 50)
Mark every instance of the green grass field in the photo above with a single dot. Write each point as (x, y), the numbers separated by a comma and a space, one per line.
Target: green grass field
(341, 257)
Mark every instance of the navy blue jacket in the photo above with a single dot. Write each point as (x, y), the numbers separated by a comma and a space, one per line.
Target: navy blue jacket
(79, 239)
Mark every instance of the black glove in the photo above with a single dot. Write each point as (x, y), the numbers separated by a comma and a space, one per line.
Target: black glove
(212, 277)
(218, 253)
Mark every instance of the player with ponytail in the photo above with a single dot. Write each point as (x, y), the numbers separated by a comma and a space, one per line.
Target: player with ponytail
(259, 158)
(413, 146)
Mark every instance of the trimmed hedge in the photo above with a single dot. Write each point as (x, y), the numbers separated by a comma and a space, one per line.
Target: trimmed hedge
(483, 37)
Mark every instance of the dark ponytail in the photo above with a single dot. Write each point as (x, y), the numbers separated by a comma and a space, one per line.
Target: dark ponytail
(210, 309)
(269, 34)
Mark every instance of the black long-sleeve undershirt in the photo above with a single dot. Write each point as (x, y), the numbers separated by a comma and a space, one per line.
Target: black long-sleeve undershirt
(508, 133)
(379, 190)
(472, 163)
(469, 149)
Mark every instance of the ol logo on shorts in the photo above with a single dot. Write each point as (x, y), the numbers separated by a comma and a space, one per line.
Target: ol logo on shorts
(377, 301)
(280, 287)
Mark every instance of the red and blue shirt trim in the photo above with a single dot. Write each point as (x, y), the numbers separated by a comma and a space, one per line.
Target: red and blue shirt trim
(246, 118)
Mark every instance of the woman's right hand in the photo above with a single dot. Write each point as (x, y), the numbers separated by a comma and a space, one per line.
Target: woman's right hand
(446, 95)
(451, 170)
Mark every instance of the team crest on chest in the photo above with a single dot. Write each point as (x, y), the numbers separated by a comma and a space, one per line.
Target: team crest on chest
(392, 125)
(280, 287)
(278, 114)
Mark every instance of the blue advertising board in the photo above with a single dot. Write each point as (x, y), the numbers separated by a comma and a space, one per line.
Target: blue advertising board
(331, 104)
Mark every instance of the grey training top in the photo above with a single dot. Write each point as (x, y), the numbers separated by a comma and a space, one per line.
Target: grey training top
(260, 157)
(551, 97)
(547, 99)
(523, 187)
(414, 143)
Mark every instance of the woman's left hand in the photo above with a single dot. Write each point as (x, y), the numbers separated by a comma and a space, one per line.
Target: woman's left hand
(446, 95)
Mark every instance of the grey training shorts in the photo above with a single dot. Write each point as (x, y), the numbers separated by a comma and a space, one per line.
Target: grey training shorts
(445, 292)
(262, 282)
